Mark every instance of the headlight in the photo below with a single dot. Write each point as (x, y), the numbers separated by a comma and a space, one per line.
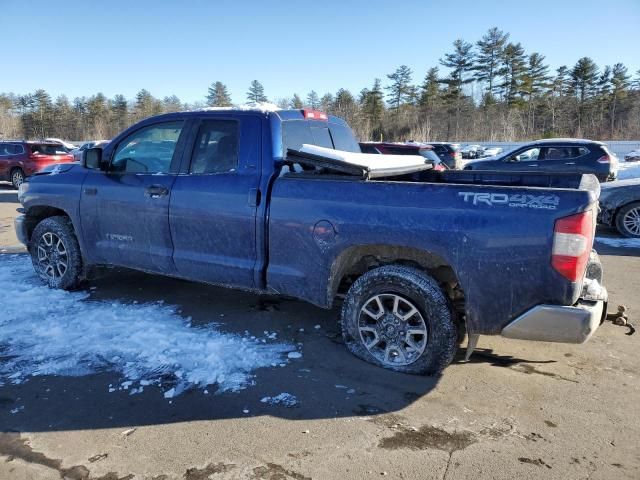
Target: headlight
(22, 190)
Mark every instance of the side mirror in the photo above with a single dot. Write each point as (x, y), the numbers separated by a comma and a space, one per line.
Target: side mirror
(92, 158)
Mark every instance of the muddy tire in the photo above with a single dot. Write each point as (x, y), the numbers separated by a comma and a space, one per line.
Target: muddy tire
(17, 177)
(399, 318)
(55, 253)
(628, 220)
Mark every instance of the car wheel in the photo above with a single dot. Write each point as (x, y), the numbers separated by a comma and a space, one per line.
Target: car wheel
(398, 318)
(17, 177)
(55, 253)
(628, 220)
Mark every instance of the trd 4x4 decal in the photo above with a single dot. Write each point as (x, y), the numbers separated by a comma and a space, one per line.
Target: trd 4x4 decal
(517, 200)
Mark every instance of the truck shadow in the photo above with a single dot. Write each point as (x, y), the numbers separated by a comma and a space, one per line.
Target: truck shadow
(327, 381)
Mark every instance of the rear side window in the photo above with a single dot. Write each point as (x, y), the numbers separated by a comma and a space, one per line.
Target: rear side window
(4, 149)
(216, 147)
(564, 153)
(343, 138)
(429, 155)
(368, 149)
(295, 133)
(322, 134)
(47, 149)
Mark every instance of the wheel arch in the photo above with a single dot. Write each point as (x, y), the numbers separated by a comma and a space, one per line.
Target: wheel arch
(37, 213)
(357, 260)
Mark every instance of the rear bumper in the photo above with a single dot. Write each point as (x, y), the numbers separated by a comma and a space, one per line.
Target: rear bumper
(566, 324)
(21, 229)
(554, 323)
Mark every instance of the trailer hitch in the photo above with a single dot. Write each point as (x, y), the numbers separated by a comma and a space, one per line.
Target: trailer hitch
(620, 318)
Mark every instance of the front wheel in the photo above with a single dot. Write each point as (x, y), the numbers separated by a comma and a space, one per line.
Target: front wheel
(55, 253)
(399, 318)
(628, 220)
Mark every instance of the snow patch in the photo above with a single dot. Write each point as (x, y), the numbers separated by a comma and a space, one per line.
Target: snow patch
(620, 242)
(263, 107)
(628, 170)
(53, 332)
(285, 399)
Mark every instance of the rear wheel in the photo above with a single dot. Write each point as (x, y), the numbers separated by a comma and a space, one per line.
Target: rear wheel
(398, 318)
(55, 253)
(628, 220)
(17, 177)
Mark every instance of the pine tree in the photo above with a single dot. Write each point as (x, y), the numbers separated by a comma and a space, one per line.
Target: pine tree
(373, 107)
(296, 102)
(513, 69)
(430, 89)
(256, 93)
(620, 83)
(400, 88)
(488, 59)
(460, 63)
(584, 76)
(218, 95)
(119, 114)
(313, 100)
(326, 103)
(535, 81)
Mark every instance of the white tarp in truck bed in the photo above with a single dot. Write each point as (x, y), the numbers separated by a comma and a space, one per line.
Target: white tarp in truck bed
(369, 165)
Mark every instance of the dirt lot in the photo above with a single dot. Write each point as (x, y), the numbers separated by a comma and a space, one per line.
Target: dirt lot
(517, 410)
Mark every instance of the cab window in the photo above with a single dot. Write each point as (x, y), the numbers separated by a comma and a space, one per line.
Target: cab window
(216, 147)
(148, 150)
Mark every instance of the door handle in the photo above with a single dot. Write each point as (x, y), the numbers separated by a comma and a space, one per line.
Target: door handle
(532, 165)
(90, 191)
(156, 191)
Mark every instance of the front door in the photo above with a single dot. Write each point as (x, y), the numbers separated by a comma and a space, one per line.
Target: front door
(125, 210)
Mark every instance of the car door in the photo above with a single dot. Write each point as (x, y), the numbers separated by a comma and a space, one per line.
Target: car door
(558, 158)
(6, 153)
(125, 210)
(214, 202)
(525, 159)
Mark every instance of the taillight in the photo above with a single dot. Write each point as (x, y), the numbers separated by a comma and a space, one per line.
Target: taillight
(572, 242)
(604, 159)
(314, 114)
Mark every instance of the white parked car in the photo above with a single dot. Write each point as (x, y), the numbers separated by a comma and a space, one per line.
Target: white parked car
(68, 145)
(490, 152)
(77, 153)
(633, 156)
(471, 151)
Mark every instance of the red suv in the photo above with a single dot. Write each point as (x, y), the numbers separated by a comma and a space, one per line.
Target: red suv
(18, 160)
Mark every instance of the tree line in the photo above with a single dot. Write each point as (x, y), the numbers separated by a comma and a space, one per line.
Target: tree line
(490, 90)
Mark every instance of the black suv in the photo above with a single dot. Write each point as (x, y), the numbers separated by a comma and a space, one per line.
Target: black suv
(555, 155)
(449, 153)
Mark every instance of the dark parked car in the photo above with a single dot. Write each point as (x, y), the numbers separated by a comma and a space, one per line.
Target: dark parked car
(555, 155)
(423, 150)
(20, 159)
(620, 206)
(449, 153)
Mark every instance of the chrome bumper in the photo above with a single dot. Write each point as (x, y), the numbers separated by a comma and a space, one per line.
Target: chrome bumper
(21, 229)
(554, 323)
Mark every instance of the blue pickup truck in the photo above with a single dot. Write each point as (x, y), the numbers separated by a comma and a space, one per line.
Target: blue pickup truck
(417, 258)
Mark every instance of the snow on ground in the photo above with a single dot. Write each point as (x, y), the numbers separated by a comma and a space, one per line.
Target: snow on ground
(628, 170)
(620, 242)
(53, 332)
(285, 399)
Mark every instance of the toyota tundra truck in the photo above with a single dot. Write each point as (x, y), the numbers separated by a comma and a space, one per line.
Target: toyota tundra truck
(283, 202)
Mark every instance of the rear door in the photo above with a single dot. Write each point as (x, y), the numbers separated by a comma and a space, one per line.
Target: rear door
(214, 202)
(125, 211)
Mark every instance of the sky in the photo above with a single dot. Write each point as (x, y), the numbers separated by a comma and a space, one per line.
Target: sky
(79, 48)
